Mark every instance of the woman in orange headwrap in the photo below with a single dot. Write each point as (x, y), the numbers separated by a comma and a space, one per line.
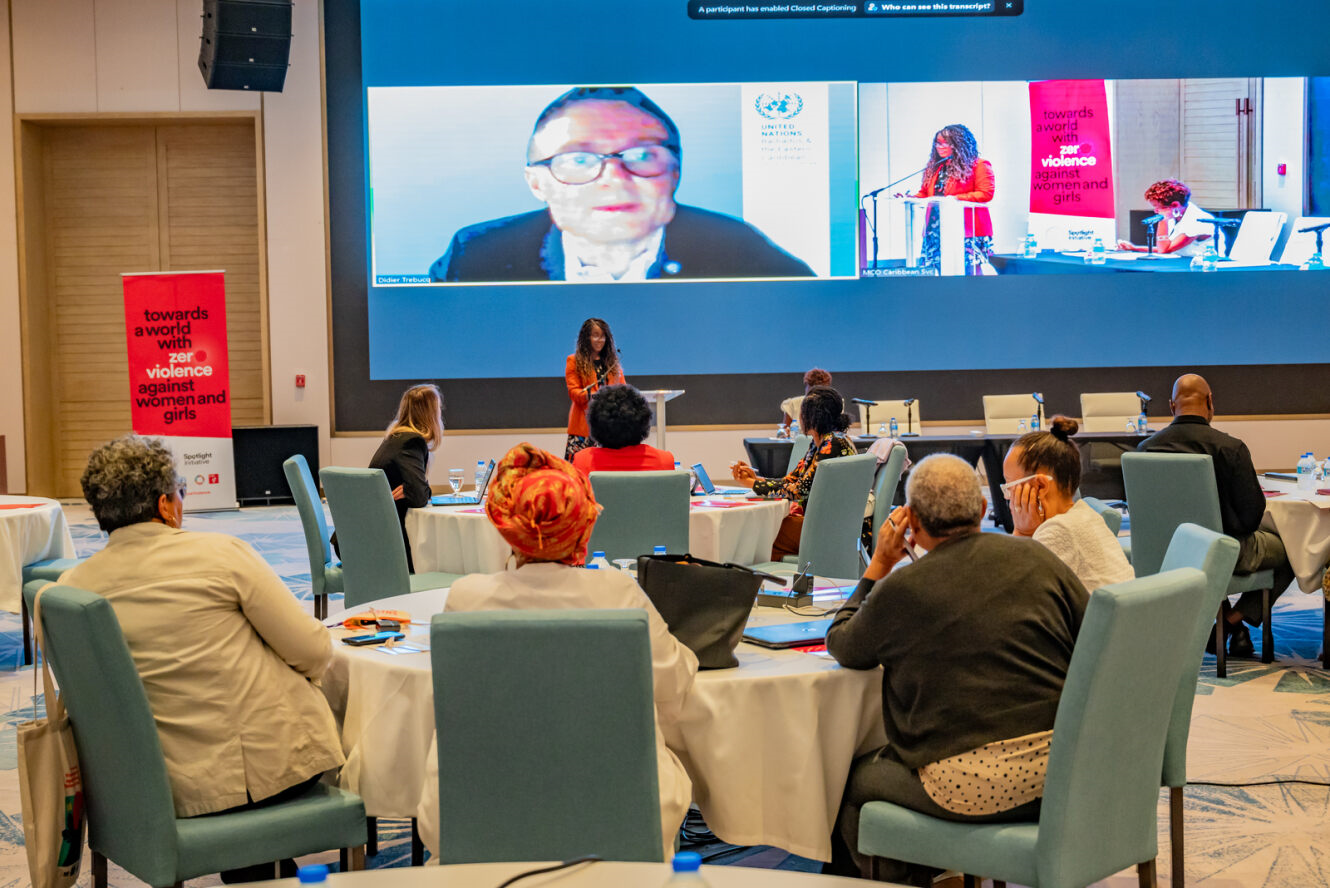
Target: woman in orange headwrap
(545, 509)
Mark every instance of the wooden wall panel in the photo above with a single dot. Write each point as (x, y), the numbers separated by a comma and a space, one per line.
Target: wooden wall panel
(142, 198)
(209, 211)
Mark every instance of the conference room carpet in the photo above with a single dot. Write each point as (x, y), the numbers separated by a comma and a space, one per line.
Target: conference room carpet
(1257, 809)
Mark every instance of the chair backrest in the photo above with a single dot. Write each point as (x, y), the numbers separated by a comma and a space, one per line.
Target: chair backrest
(1109, 411)
(368, 534)
(798, 449)
(884, 487)
(1108, 736)
(312, 520)
(834, 517)
(1112, 517)
(641, 510)
(1215, 555)
(1003, 414)
(1163, 491)
(872, 416)
(1299, 247)
(1257, 236)
(127, 795)
(541, 763)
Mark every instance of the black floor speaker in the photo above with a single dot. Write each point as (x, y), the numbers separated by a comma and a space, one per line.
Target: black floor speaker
(259, 453)
(246, 44)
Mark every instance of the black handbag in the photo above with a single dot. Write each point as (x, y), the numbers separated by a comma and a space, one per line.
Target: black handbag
(706, 605)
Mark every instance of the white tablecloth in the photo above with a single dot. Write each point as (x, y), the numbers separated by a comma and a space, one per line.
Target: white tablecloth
(1302, 519)
(28, 535)
(461, 540)
(768, 745)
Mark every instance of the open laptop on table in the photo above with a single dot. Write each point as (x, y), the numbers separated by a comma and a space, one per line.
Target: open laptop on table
(466, 500)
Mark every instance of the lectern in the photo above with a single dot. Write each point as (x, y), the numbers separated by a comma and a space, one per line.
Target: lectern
(657, 398)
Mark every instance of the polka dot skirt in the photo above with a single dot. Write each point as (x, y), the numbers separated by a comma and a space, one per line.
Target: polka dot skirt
(995, 777)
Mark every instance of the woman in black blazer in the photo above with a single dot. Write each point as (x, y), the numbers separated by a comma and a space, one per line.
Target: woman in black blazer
(404, 454)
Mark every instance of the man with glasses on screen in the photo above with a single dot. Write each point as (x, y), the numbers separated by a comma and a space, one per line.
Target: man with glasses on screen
(606, 161)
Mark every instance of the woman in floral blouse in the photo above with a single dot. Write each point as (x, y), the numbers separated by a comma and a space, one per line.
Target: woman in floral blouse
(823, 417)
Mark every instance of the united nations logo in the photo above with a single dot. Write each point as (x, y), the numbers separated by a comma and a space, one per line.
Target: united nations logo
(779, 106)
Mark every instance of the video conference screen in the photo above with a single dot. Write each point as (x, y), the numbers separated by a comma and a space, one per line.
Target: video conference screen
(745, 188)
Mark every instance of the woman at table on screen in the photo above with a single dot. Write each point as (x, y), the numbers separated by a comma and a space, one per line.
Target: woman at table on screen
(406, 449)
(594, 364)
(956, 170)
(544, 508)
(824, 419)
(1044, 469)
(1181, 230)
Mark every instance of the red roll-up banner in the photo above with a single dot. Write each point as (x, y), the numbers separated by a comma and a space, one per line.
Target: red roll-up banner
(1071, 164)
(180, 387)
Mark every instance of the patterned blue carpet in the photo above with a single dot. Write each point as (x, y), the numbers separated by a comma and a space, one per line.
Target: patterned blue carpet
(1257, 809)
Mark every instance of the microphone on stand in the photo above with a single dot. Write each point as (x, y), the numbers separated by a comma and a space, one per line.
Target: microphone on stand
(864, 401)
(1145, 401)
(1153, 220)
(909, 416)
(1039, 400)
(873, 194)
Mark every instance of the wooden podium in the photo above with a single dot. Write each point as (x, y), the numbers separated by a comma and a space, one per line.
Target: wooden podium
(952, 230)
(657, 398)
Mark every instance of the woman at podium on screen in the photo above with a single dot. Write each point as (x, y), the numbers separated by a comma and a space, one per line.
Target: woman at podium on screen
(593, 365)
(956, 170)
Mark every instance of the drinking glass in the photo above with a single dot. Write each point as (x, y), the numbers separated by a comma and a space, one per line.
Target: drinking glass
(455, 480)
(627, 565)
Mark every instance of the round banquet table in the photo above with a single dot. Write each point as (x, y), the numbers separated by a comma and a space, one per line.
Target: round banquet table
(605, 874)
(32, 528)
(1302, 520)
(461, 540)
(768, 745)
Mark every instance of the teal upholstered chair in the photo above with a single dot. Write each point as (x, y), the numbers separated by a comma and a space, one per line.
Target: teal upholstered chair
(642, 510)
(798, 448)
(834, 519)
(884, 491)
(1102, 786)
(1165, 490)
(373, 556)
(131, 818)
(1112, 517)
(50, 571)
(1214, 554)
(325, 570)
(541, 763)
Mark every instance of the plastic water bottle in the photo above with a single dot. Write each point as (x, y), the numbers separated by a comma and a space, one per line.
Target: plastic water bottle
(1325, 470)
(313, 874)
(657, 551)
(1031, 246)
(794, 429)
(598, 561)
(1034, 421)
(480, 475)
(1098, 255)
(686, 871)
(894, 429)
(1020, 427)
(1142, 427)
(1306, 466)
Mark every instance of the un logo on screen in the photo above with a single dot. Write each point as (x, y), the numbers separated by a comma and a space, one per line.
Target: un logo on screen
(779, 106)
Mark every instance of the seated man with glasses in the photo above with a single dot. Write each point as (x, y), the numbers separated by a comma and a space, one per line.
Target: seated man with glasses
(605, 161)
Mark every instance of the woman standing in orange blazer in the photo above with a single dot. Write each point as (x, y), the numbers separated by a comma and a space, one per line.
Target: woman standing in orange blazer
(956, 170)
(594, 364)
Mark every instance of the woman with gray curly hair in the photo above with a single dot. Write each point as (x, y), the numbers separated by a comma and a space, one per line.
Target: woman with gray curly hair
(224, 650)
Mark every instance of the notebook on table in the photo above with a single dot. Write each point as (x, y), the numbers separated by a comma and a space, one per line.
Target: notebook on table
(788, 635)
(474, 499)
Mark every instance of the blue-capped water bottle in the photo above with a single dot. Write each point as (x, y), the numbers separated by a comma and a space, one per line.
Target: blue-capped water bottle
(687, 867)
(894, 428)
(657, 551)
(598, 561)
(1034, 421)
(480, 475)
(1031, 246)
(1306, 466)
(313, 874)
(1142, 428)
(1098, 255)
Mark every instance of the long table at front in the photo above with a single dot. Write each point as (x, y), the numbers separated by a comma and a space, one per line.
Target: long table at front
(1101, 469)
(461, 540)
(768, 745)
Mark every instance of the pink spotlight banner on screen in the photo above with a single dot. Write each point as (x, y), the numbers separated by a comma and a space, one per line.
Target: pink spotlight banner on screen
(1071, 165)
(179, 378)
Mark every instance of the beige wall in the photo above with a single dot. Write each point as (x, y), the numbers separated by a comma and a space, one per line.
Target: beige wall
(134, 56)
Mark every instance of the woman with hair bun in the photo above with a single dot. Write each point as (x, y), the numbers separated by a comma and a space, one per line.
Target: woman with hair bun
(824, 419)
(1043, 470)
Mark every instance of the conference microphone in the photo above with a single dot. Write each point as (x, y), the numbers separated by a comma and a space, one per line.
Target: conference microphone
(1153, 220)
(1313, 229)
(864, 401)
(908, 401)
(1038, 397)
(1145, 399)
(878, 191)
(1222, 223)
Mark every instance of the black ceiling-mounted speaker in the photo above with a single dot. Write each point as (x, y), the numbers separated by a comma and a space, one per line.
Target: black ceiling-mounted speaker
(246, 44)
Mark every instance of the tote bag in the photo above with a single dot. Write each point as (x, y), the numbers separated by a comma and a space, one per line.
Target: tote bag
(50, 785)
